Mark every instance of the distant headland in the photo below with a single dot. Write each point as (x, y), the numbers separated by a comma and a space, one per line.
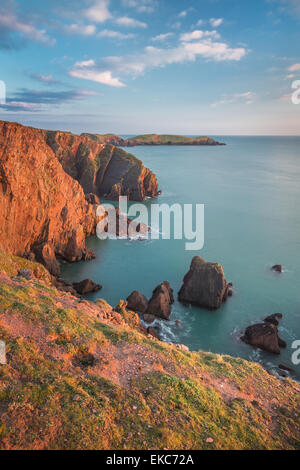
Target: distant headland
(152, 139)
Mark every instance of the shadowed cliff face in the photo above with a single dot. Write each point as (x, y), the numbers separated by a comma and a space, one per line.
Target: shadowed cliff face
(102, 169)
(43, 211)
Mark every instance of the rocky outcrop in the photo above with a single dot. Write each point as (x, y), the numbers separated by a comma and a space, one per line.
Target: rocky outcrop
(101, 169)
(161, 300)
(43, 210)
(137, 302)
(86, 287)
(151, 139)
(265, 335)
(277, 268)
(204, 285)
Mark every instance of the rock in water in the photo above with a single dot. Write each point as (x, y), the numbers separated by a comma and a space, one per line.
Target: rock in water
(263, 336)
(204, 285)
(152, 331)
(86, 287)
(277, 268)
(161, 300)
(137, 302)
(274, 318)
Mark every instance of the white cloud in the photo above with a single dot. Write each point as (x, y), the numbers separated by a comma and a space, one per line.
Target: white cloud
(130, 22)
(198, 34)
(109, 70)
(85, 30)
(245, 98)
(10, 22)
(294, 68)
(200, 22)
(85, 70)
(142, 6)
(162, 37)
(108, 33)
(98, 12)
(182, 14)
(215, 22)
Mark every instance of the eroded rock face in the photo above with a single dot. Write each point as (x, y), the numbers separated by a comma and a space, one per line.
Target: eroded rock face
(137, 302)
(161, 301)
(42, 209)
(204, 285)
(101, 169)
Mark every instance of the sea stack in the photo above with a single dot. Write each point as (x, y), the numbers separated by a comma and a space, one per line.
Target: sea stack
(204, 285)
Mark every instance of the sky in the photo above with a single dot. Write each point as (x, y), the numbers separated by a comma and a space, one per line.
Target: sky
(199, 67)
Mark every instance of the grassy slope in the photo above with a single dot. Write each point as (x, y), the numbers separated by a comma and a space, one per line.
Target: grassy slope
(139, 394)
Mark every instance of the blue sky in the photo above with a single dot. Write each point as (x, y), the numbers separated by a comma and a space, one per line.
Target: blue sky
(130, 66)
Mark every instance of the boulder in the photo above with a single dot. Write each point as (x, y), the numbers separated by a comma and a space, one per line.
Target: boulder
(152, 331)
(274, 318)
(137, 302)
(148, 318)
(204, 285)
(86, 286)
(161, 300)
(287, 368)
(263, 336)
(277, 268)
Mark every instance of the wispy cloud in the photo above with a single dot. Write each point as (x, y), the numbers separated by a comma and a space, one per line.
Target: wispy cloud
(142, 6)
(12, 23)
(246, 98)
(110, 69)
(198, 34)
(108, 33)
(130, 22)
(184, 13)
(215, 22)
(84, 30)
(87, 70)
(294, 68)
(48, 79)
(162, 37)
(32, 100)
(98, 12)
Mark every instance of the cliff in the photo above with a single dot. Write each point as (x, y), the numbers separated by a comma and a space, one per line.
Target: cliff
(84, 375)
(104, 170)
(45, 177)
(43, 211)
(152, 139)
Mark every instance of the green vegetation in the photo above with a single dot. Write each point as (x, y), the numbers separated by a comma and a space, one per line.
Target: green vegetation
(82, 375)
(155, 139)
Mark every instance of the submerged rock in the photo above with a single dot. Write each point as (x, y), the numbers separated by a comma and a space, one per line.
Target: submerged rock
(161, 300)
(86, 287)
(277, 268)
(204, 285)
(274, 318)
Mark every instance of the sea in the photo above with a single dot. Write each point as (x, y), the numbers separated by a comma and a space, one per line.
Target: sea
(250, 189)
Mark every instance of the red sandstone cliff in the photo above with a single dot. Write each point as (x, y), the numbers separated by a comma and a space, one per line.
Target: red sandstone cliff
(104, 170)
(42, 209)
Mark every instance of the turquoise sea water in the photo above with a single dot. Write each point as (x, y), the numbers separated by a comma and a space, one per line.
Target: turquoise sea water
(251, 192)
